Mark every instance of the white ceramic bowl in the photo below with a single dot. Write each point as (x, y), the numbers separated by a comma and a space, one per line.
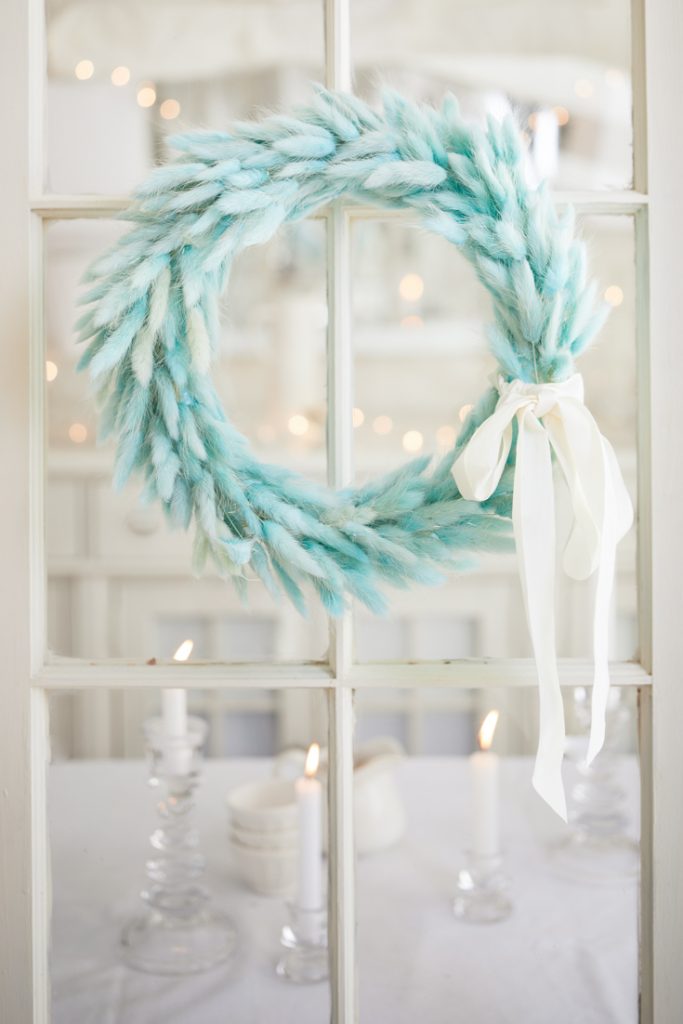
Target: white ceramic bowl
(266, 806)
(269, 872)
(256, 839)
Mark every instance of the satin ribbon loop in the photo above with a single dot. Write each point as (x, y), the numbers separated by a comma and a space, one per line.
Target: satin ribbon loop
(552, 417)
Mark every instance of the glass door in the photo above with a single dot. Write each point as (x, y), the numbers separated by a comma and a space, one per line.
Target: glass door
(326, 331)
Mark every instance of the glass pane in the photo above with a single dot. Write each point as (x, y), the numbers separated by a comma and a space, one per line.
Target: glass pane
(562, 67)
(234, 831)
(122, 76)
(565, 946)
(420, 360)
(120, 579)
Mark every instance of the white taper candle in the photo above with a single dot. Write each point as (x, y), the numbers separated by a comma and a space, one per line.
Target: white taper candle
(309, 892)
(485, 794)
(174, 720)
(174, 712)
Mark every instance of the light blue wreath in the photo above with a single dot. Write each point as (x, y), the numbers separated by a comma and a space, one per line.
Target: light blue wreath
(152, 325)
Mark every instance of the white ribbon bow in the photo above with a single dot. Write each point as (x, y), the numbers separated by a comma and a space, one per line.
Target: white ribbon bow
(554, 415)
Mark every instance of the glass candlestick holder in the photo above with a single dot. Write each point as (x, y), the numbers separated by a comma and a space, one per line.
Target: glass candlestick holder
(304, 938)
(482, 895)
(599, 845)
(178, 932)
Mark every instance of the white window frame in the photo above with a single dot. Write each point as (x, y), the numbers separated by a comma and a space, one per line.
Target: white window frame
(27, 675)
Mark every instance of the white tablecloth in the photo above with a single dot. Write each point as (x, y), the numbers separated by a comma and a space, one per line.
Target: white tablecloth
(568, 955)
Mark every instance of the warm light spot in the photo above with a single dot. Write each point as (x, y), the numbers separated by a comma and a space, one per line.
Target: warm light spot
(411, 287)
(412, 441)
(412, 321)
(445, 435)
(298, 425)
(488, 728)
(614, 295)
(78, 433)
(51, 370)
(584, 88)
(169, 109)
(615, 78)
(147, 96)
(312, 760)
(531, 120)
(120, 75)
(358, 417)
(184, 651)
(562, 115)
(84, 70)
(464, 412)
(382, 424)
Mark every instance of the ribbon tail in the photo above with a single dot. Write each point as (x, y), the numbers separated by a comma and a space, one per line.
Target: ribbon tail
(533, 514)
(577, 444)
(617, 509)
(603, 594)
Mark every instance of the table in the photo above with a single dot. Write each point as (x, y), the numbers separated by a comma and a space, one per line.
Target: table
(567, 955)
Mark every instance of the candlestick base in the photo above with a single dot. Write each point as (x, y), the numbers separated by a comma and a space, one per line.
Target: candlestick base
(161, 944)
(305, 941)
(482, 892)
(603, 860)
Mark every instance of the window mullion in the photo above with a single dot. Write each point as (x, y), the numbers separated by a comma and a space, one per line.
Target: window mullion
(339, 459)
(639, 93)
(341, 899)
(663, 834)
(584, 201)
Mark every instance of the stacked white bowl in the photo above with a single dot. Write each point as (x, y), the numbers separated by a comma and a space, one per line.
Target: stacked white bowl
(263, 835)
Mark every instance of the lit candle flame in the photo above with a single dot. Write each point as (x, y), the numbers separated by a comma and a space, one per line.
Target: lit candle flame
(312, 760)
(487, 730)
(184, 651)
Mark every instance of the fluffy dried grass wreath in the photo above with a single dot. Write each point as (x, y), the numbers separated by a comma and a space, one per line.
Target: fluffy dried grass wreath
(152, 325)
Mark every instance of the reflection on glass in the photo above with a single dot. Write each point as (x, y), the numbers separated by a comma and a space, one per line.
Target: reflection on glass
(120, 577)
(599, 845)
(563, 68)
(176, 930)
(226, 826)
(122, 76)
(420, 361)
(574, 922)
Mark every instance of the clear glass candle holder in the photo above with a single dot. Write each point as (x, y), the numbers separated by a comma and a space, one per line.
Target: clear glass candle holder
(598, 847)
(304, 938)
(178, 931)
(482, 895)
